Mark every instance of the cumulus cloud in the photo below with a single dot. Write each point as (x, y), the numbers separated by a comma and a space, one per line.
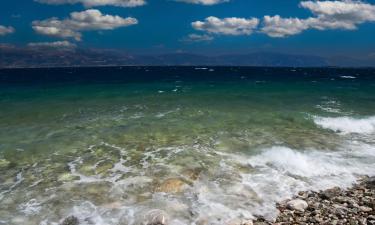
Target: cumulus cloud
(56, 44)
(72, 27)
(227, 26)
(203, 2)
(275, 26)
(92, 3)
(339, 14)
(355, 11)
(6, 30)
(344, 15)
(197, 38)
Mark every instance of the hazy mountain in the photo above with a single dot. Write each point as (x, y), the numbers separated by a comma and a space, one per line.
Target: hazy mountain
(11, 56)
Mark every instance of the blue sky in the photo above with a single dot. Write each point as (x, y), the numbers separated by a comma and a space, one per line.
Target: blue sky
(161, 26)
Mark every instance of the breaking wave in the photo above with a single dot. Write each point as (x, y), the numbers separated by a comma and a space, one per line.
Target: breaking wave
(347, 125)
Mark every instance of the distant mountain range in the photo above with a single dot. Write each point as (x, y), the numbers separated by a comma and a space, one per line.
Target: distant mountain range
(13, 57)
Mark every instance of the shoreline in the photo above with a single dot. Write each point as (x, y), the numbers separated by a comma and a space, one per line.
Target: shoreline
(335, 206)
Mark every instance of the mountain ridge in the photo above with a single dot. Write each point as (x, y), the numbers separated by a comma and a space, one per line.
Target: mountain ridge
(14, 57)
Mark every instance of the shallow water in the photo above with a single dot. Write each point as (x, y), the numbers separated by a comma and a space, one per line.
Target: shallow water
(110, 144)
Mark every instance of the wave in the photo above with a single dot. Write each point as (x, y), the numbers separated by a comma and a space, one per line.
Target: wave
(236, 185)
(348, 77)
(313, 163)
(282, 172)
(347, 125)
(331, 106)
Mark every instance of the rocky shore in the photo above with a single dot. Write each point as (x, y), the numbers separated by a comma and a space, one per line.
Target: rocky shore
(335, 206)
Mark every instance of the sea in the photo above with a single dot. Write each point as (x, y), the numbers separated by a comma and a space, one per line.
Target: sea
(203, 145)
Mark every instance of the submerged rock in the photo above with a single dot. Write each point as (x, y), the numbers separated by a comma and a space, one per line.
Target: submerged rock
(4, 163)
(172, 185)
(66, 177)
(155, 217)
(71, 220)
(297, 204)
(104, 167)
(192, 174)
(113, 205)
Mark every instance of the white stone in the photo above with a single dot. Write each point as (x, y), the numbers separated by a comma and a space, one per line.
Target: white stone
(297, 204)
(365, 209)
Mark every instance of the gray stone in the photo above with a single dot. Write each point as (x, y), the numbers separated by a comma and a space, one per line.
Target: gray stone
(370, 183)
(330, 193)
(71, 220)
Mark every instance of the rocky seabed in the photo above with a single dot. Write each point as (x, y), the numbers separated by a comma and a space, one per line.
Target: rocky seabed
(335, 206)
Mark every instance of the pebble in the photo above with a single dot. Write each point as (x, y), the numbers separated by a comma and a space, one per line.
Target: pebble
(172, 185)
(336, 206)
(71, 220)
(155, 217)
(297, 204)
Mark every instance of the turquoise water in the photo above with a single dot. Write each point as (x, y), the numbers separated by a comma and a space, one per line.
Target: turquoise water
(205, 146)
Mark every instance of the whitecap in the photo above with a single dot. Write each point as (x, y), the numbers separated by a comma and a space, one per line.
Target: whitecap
(347, 125)
(201, 68)
(348, 77)
(331, 106)
(281, 172)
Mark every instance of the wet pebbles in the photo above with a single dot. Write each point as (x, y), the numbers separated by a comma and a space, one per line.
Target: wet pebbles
(352, 206)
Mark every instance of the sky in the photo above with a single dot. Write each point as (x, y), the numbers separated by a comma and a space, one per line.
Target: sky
(207, 27)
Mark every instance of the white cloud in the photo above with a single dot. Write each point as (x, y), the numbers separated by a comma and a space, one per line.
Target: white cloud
(72, 27)
(197, 38)
(203, 2)
(275, 26)
(6, 30)
(339, 14)
(56, 44)
(356, 11)
(92, 3)
(331, 15)
(227, 26)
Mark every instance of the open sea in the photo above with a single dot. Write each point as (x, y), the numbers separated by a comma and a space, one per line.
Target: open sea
(205, 145)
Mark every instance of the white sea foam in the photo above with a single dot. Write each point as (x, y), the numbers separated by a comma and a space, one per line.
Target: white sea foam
(137, 115)
(283, 171)
(19, 180)
(31, 207)
(313, 164)
(224, 192)
(328, 109)
(274, 174)
(331, 106)
(347, 125)
(348, 77)
(163, 114)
